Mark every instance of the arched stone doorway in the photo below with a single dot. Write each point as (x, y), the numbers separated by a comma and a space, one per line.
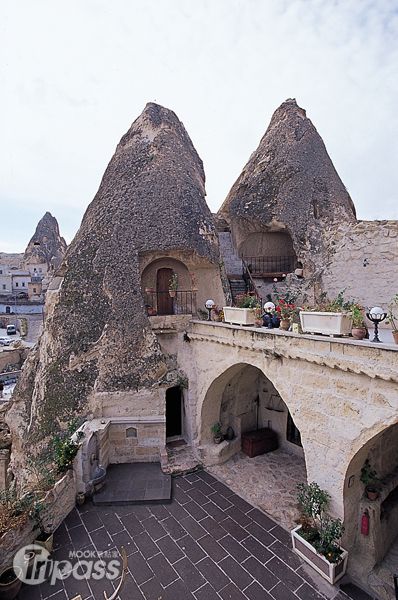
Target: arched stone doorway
(374, 557)
(269, 253)
(245, 399)
(155, 281)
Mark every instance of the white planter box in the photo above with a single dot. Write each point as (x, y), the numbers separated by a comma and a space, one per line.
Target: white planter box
(239, 316)
(332, 572)
(327, 323)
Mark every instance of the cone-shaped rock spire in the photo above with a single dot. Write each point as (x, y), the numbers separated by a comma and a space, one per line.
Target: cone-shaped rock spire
(290, 179)
(46, 245)
(97, 336)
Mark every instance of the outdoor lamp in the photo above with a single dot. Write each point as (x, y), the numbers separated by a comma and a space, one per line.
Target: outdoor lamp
(269, 307)
(376, 315)
(209, 304)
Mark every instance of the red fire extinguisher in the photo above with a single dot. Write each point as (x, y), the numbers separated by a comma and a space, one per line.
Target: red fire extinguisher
(365, 523)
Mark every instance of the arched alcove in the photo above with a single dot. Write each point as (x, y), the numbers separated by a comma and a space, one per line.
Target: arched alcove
(382, 453)
(269, 253)
(155, 281)
(245, 399)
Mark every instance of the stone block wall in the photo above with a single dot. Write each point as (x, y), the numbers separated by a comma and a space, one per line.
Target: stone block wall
(364, 262)
(136, 442)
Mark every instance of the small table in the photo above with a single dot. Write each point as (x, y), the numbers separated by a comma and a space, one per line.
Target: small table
(259, 442)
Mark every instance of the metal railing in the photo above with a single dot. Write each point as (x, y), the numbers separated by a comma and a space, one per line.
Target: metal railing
(268, 266)
(248, 279)
(180, 302)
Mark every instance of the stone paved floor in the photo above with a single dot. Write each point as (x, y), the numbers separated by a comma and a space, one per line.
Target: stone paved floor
(208, 544)
(268, 481)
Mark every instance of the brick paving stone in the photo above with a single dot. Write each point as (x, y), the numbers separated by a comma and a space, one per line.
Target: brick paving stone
(257, 549)
(281, 592)
(235, 572)
(256, 592)
(98, 587)
(261, 534)
(91, 520)
(215, 529)
(151, 589)
(281, 534)
(262, 519)
(183, 483)
(181, 497)
(163, 570)
(195, 511)
(101, 539)
(224, 490)
(237, 515)
(154, 528)
(112, 522)
(140, 568)
(231, 592)
(206, 593)
(79, 537)
(198, 496)
(73, 519)
(190, 575)
(203, 487)
(170, 549)
(215, 511)
(61, 536)
(130, 590)
(146, 545)
(212, 574)
(212, 548)
(177, 511)
(207, 477)
(191, 477)
(124, 539)
(284, 573)
(193, 527)
(306, 592)
(174, 528)
(260, 573)
(76, 586)
(177, 591)
(191, 548)
(239, 502)
(235, 530)
(159, 511)
(234, 548)
(286, 555)
(221, 501)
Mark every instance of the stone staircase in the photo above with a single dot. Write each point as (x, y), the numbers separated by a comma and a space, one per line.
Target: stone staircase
(233, 265)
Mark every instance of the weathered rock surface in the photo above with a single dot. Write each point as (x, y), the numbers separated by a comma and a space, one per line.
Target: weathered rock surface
(46, 245)
(289, 184)
(97, 335)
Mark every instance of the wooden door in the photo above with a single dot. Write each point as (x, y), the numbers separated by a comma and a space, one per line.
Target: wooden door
(164, 301)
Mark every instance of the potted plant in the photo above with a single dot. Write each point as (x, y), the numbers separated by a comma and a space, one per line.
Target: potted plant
(244, 312)
(10, 583)
(216, 431)
(316, 538)
(285, 310)
(370, 480)
(331, 317)
(258, 319)
(392, 319)
(359, 329)
(173, 285)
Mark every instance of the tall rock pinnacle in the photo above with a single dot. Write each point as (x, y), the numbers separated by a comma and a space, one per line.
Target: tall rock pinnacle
(97, 338)
(46, 245)
(290, 181)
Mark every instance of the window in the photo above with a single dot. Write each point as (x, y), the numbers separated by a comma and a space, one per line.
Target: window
(4, 286)
(131, 432)
(23, 284)
(34, 290)
(1, 271)
(16, 284)
(293, 434)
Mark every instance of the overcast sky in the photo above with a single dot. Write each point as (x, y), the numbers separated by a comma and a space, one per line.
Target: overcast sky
(75, 74)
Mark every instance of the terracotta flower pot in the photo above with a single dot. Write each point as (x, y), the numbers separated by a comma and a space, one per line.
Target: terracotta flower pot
(284, 324)
(372, 493)
(358, 333)
(395, 336)
(10, 584)
(172, 293)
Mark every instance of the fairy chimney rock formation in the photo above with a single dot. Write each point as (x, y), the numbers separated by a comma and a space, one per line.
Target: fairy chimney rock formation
(97, 338)
(289, 184)
(46, 245)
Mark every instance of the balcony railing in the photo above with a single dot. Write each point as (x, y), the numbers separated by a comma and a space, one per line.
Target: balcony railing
(270, 266)
(182, 302)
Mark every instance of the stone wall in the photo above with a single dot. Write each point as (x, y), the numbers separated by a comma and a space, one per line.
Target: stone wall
(364, 262)
(136, 441)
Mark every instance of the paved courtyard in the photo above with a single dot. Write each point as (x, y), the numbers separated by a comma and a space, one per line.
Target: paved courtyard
(208, 544)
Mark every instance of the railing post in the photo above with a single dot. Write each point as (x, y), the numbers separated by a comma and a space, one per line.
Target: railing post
(396, 586)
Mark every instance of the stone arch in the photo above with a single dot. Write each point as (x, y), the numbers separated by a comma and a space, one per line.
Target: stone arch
(382, 452)
(148, 277)
(232, 398)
